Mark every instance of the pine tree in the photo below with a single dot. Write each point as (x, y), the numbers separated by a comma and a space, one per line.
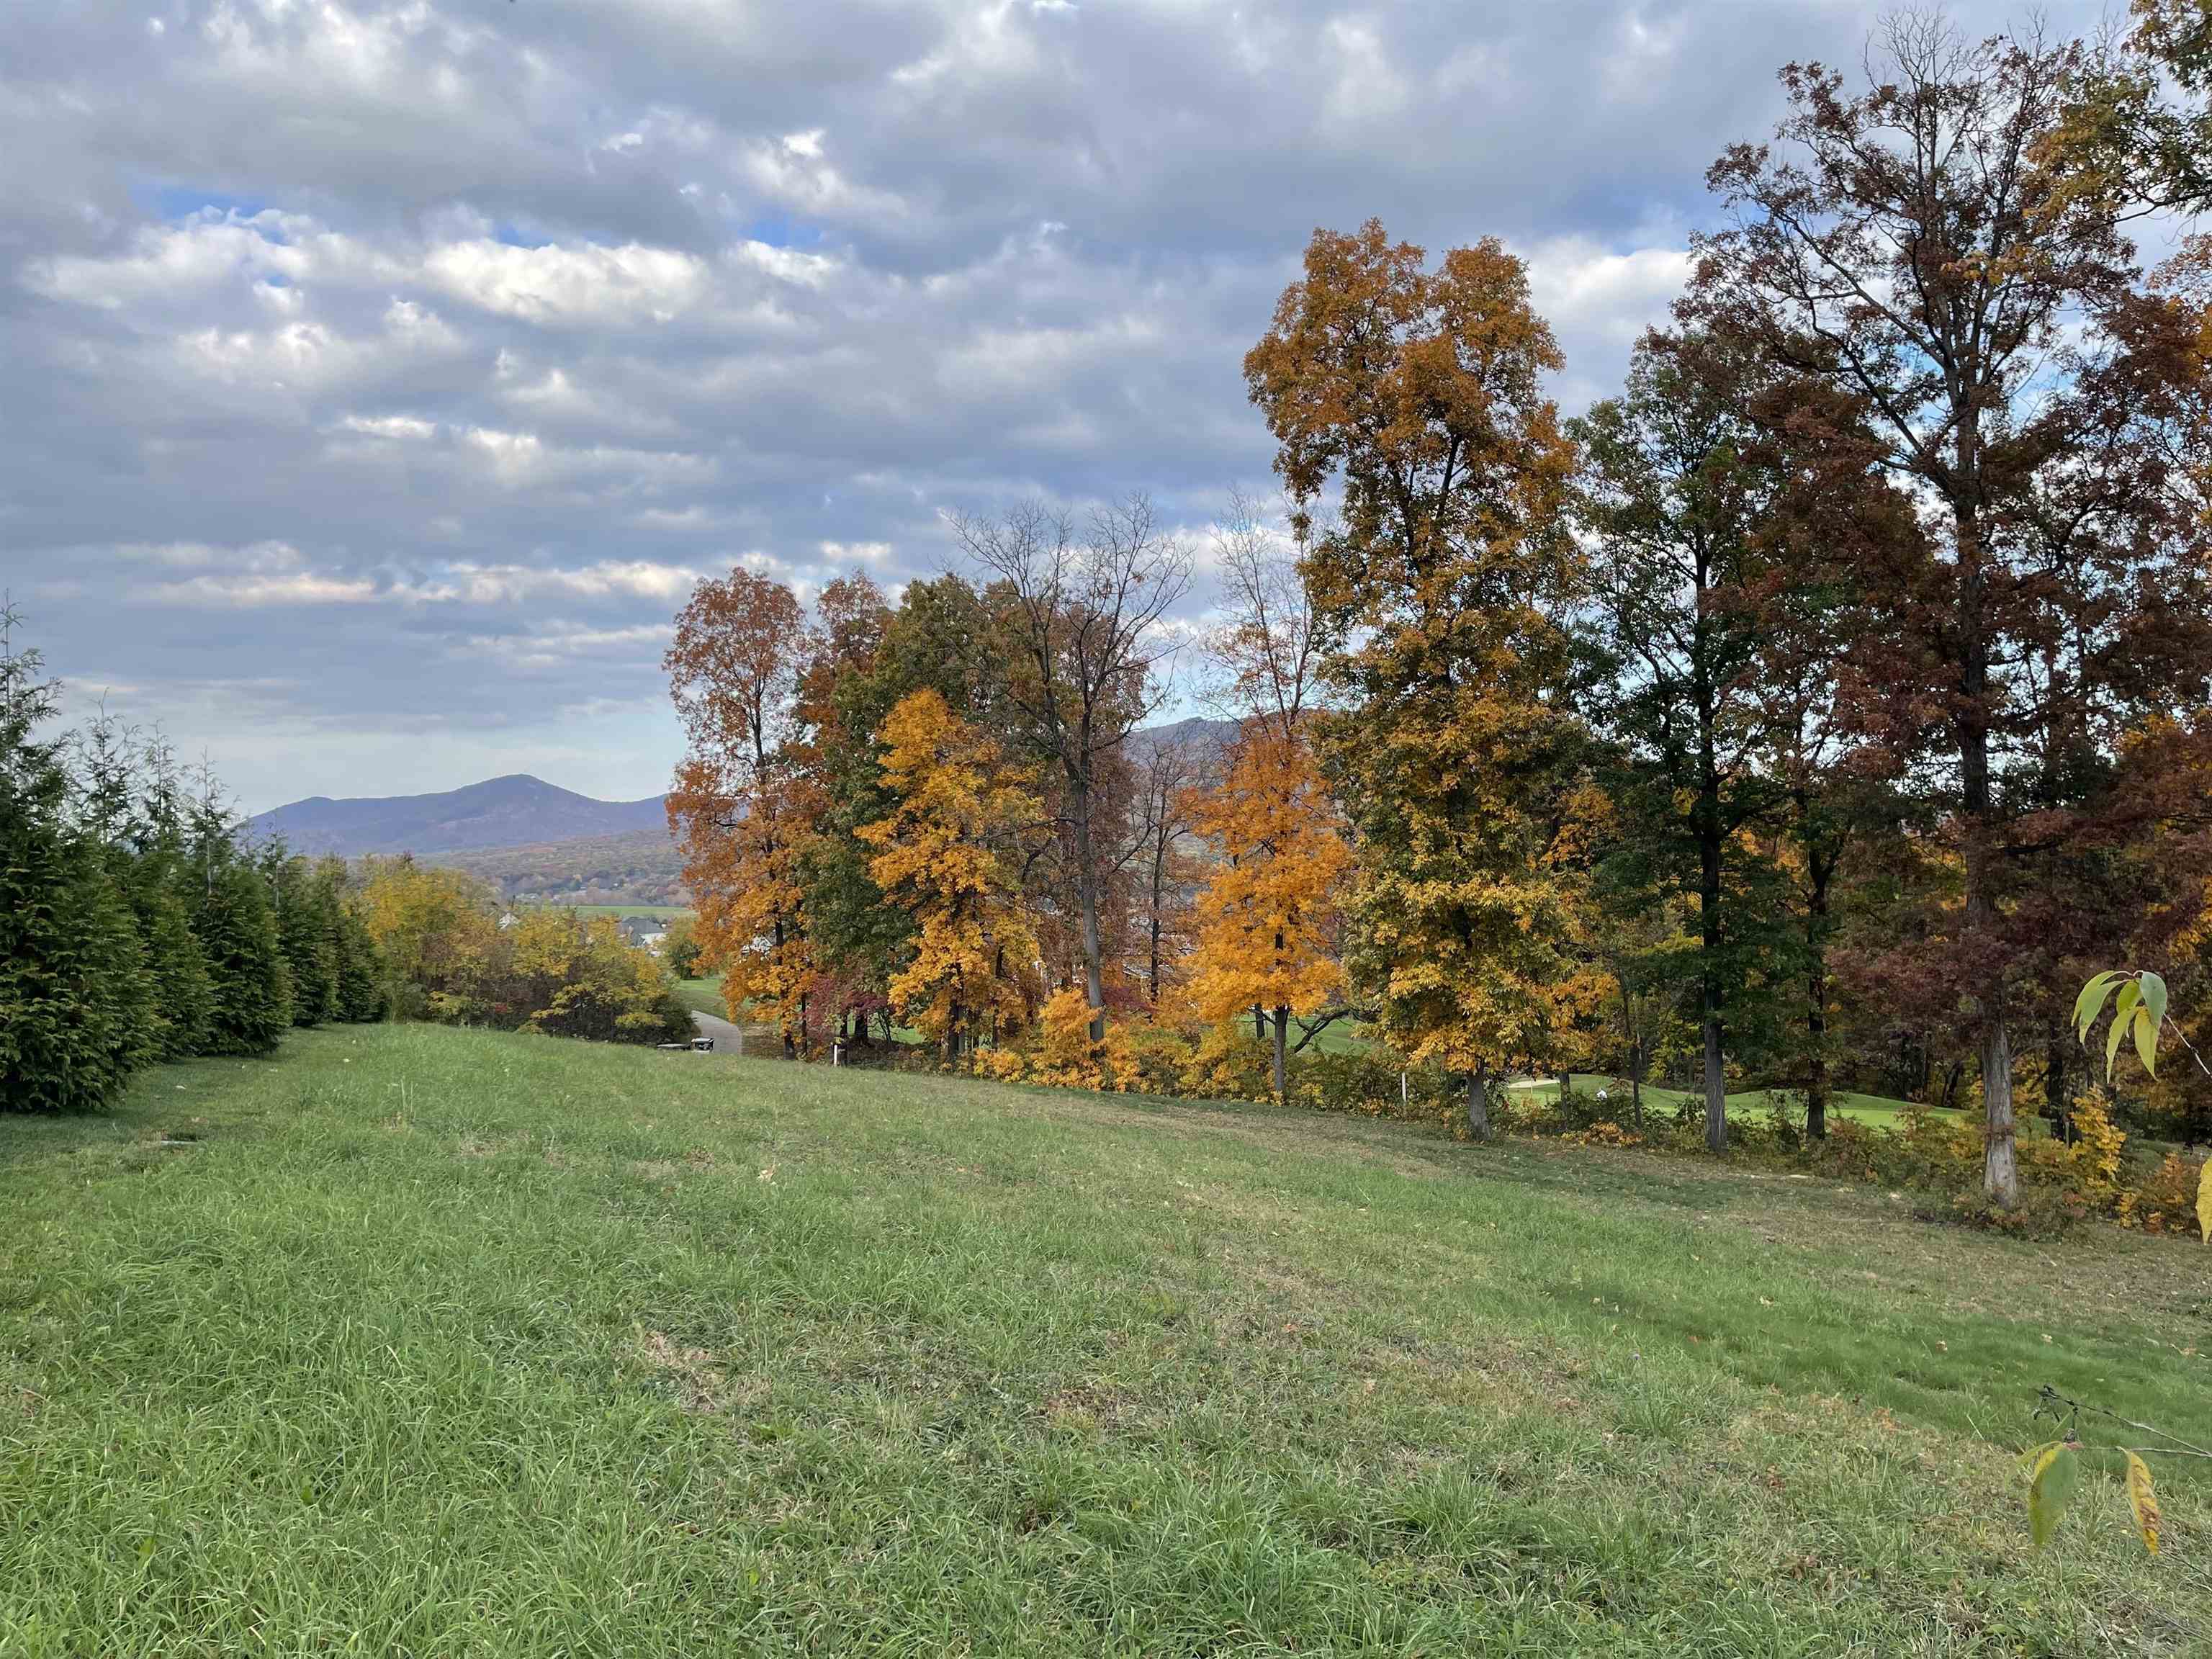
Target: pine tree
(236, 926)
(73, 992)
(307, 934)
(158, 884)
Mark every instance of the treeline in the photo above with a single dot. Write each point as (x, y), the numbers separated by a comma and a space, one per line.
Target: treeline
(135, 927)
(1819, 711)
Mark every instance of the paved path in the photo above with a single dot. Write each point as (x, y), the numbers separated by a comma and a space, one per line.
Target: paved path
(728, 1040)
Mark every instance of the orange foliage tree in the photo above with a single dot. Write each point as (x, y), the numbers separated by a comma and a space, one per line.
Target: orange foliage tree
(742, 807)
(1268, 916)
(1419, 394)
(946, 853)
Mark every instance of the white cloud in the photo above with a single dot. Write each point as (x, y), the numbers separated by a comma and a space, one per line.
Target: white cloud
(587, 284)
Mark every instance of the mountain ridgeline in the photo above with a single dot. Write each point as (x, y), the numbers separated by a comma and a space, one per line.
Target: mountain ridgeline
(517, 811)
(537, 842)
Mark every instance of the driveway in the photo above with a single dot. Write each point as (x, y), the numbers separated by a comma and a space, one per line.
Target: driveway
(728, 1039)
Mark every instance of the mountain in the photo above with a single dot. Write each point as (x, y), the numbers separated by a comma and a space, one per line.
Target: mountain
(518, 810)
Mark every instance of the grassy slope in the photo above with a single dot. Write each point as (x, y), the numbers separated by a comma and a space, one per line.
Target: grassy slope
(449, 1343)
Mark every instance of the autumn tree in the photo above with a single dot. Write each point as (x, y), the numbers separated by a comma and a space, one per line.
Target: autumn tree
(1268, 916)
(1899, 246)
(1078, 618)
(742, 806)
(946, 854)
(1417, 393)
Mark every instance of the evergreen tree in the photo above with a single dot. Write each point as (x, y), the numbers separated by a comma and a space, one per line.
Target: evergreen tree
(307, 934)
(236, 926)
(73, 992)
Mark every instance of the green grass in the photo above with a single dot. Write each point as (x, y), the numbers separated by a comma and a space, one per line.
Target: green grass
(1876, 1111)
(703, 995)
(443, 1342)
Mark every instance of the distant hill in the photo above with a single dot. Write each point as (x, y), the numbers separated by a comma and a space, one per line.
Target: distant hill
(642, 867)
(518, 810)
(1205, 736)
(534, 840)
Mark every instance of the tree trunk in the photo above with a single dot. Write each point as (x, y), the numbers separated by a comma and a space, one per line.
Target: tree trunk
(1282, 1056)
(1715, 1085)
(1259, 1024)
(1816, 998)
(1636, 1079)
(1478, 1102)
(1086, 881)
(2057, 1107)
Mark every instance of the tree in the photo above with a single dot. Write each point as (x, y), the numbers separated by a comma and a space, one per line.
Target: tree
(1268, 916)
(742, 807)
(1979, 320)
(1168, 795)
(1419, 394)
(1672, 499)
(73, 990)
(307, 933)
(236, 926)
(945, 852)
(436, 933)
(1080, 621)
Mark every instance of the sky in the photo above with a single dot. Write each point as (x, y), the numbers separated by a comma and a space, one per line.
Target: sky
(377, 379)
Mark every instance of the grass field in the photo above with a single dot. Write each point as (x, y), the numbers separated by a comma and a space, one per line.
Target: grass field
(440, 1342)
(1877, 1111)
(703, 996)
(665, 912)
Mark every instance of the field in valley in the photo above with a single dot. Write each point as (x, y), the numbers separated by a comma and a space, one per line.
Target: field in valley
(416, 1340)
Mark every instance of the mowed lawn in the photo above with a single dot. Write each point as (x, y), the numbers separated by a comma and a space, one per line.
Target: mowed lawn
(1876, 1111)
(435, 1342)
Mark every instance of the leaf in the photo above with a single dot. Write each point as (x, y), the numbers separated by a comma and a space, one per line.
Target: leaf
(2153, 998)
(2205, 1201)
(2123, 1005)
(2086, 1005)
(2113, 1044)
(2056, 1471)
(2146, 1040)
(2143, 1501)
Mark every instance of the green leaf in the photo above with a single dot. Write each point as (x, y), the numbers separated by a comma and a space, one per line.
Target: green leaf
(2146, 1040)
(2056, 1473)
(2153, 998)
(2143, 1501)
(2124, 1004)
(2112, 1043)
(2092, 998)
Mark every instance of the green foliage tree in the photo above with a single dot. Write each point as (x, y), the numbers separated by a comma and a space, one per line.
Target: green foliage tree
(235, 922)
(74, 994)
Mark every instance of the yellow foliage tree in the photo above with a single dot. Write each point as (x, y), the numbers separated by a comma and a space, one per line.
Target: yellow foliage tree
(437, 931)
(1268, 915)
(946, 854)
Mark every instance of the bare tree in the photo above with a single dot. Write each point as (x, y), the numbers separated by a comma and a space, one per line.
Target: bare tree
(1168, 780)
(1269, 650)
(1080, 618)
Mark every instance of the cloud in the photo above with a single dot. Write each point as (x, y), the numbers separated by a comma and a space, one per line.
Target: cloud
(393, 366)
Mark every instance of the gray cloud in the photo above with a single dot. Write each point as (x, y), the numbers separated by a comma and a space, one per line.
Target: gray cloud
(379, 376)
